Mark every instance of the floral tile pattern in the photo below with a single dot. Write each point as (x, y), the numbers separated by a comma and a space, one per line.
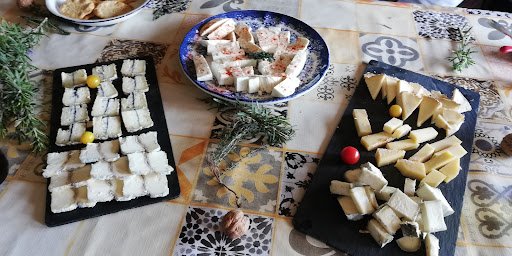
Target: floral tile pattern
(216, 6)
(169, 5)
(487, 155)
(122, 49)
(253, 173)
(438, 8)
(439, 25)
(486, 35)
(338, 85)
(297, 174)
(201, 234)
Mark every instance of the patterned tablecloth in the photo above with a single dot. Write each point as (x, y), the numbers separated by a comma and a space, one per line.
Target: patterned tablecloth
(271, 182)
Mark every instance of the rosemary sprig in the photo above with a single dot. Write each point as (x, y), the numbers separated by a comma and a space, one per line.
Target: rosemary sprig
(16, 90)
(260, 56)
(462, 56)
(249, 120)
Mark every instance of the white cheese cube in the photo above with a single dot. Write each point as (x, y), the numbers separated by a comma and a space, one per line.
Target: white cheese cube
(59, 182)
(372, 176)
(105, 72)
(432, 245)
(393, 124)
(267, 39)
(158, 162)
(106, 89)
(135, 100)
(74, 79)
(349, 208)
(63, 200)
(149, 141)
(385, 193)
(138, 164)
(102, 171)
(71, 136)
(136, 84)
(253, 84)
(74, 114)
(121, 169)
(297, 64)
(156, 185)
(90, 153)
(75, 96)
(130, 144)
(133, 68)
(55, 163)
(220, 73)
(223, 30)
(129, 188)
(428, 193)
(238, 61)
(340, 188)
(105, 107)
(286, 87)
(363, 205)
(379, 233)
(105, 127)
(403, 205)
(135, 120)
(409, 186)
(110, 150)
(388, 219)
(267, 83)
(432, 214)
(299, 45)
(99, 191)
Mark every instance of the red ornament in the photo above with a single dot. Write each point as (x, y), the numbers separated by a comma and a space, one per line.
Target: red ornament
(350, 155)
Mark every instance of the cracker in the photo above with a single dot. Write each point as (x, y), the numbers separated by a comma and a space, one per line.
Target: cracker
(77, 9)
(108, 9)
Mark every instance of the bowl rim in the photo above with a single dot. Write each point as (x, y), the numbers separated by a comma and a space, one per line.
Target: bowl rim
(95, 21)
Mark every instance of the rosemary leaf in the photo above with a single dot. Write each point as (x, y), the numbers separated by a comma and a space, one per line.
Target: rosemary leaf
(462, 56)
(260, 56)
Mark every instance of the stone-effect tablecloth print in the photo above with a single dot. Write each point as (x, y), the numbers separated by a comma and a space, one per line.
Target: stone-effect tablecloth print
(271, 181)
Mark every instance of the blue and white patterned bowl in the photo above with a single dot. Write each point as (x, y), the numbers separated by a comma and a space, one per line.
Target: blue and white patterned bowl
(313, 72)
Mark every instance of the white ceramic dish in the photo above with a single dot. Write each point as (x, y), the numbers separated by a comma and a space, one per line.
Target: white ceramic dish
(54, 6)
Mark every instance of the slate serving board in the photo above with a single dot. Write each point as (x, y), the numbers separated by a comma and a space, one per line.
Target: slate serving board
(160, 126)
(320, 215)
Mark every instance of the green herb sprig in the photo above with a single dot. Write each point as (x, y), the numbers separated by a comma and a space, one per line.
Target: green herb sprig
(16, 90)
(260, 56)
(462, 56)
(248, 121)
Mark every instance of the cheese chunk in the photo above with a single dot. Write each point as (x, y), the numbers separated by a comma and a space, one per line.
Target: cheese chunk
(409, 244)
(362, 123)
(76, 96)
(454, 127)
(74, 114)
(203, 71)
(267, 39)
(106, 89)
(63, 200)
(391, 87)
(428, 107)
(105, 107)
(223, 30)
(105, 72)
(90, 153)
(379, 233)
(409, 103)
(393, 124)
(452, 116)
(286, 87)
(451, 170)
(448, 103)
(74, 79)
(432, 245)
(156, 185)
(433, 178)
(363, 205)
(207, 43)
(349, 208)
(374, 84)
(384, 89)
(110, 127)
(402, 86)
(423, 154)
(99, 191)
(299, 45)
(372, 176)
(82, 198)
(422, 135)
(438, 161)
(385, 193)
(457, 151)
(388, 156)
(133, 68)
(101, 171)
(340, 188)
(60, 182)
(419, 90)
(409, 186)
(429, 193)
(401, 131)
(371, 196)
(244, 32)
(388, 219)
(432, 214)
(210, 26)
(445, 143)
(464, 105)
(297, 64)
(352, 175)
(441, 123)
(411, 169)
(373, 141)
(403, 205)
(407, 144)
(416, 199)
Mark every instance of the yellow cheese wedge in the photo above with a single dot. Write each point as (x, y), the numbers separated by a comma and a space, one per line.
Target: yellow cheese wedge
(438, 161)
(374, 84)
(401, 131)
(373, 141)
(402, 86)
(454, 127)
(409, 103)
(457, 151)
(408, 144)
(393, 124)
(434, 178)
(442, 123)
(352, 175)
(384, 89)
(422, 135)
(448, 103)
(419, 90)
(459, 98)
(392, 84)
(388, 156)
(411, 169)
(452, 116)
(362, 123)
(428, 107)
(423, 154)
(445, 143)
(451, 170)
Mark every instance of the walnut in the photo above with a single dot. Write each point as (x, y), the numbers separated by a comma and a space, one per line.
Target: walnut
(235, 224)
(24, 4)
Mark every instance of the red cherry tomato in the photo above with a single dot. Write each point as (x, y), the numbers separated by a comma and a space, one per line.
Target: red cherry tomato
(350, 155)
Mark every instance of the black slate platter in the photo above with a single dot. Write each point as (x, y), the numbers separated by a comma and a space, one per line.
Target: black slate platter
(160, 126)
(320, 215)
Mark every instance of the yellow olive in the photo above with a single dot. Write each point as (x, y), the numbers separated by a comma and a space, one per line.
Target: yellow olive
(395, 111)
(93, 81)
(87, 137)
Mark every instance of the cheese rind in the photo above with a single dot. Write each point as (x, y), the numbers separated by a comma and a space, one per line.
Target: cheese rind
(373, 141)
(391, 87)
(403, 205)
(371, 196)
(409, 186)
(361, 201)
(432, 214)
(451, 170)
(408, 144)
(388, 156)
(393, 124)
(349, 208)
(429, 193)
(423, 154)
(422, 135)
(401, 131)
(379, 233)
(411, 169)
(409, 244)
(352, 175)
(361, 122)
(374, 84)
(460, 99)
(432, 245)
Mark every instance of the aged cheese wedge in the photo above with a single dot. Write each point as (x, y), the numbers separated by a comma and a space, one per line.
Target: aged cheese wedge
(441, 122)
(372, 176)
(452, 116)
(419, 90)
(411, 169)
(401, 131)
(457, 151)
(402, 86)
(388, 219)
(403, 205)
(433, 178)
(349, 208)
(391, 87)
(423, 154)
(409, 187)
(445, 143)
(428, 107)
(385, 193)
(422, 135)
(384, 89)
(429, 193)
(451, 170)
(371, 196)
(363, 205)
(432, 215)
(340, 188)
(432, 245)
(362, 123)
(388, 156)
(379, 233)
(408, 144)
(448, 103)
(464, 105)
(438, 161)
(374, 84)
(352, 175)
(373, 141)
(393, 124)
(409, 103)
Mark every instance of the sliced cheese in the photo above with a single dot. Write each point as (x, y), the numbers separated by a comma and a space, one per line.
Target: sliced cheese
(419, 90)
(451, 170)
(388, 219)
(457, 151)
(374, 84)
(349, 208)
(361, 201)
(340, 188)
(454, 127)
(203, 71)
(429, 193)
(432, 245)
(433, 178)
(393, 124)
(391, 87)
(441, 122)
(422, 135)
(428, 107)
(438, 161)
(388, 156)
(223, 30)
(448, 103)
(352, 175)
(385, 193)
(411, 169)
(372, 176)
(373, 141)
(407, 144)
(409, 187)
(362, 123)
(409, 102)
(401, 131)
(403, 205)
(379, 233)
(445, 143)
(286, 87)
(432, 215)
(210, 26)
(464, 105)
(423, 154)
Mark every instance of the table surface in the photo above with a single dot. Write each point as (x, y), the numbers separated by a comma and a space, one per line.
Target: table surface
(272, 181)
